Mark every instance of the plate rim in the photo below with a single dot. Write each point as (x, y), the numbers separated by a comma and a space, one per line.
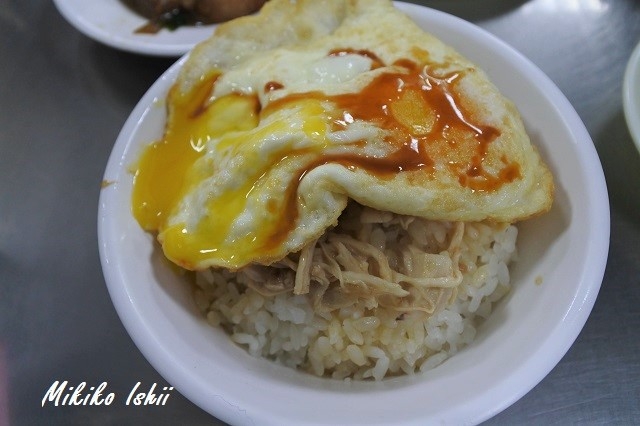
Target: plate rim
(118, 40)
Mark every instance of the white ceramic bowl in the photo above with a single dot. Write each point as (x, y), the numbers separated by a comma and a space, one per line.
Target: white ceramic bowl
(557, 278)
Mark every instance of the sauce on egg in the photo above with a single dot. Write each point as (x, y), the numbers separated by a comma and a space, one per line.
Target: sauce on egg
(419, 108)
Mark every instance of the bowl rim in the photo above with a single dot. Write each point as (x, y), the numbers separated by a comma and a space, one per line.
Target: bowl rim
(505, 392)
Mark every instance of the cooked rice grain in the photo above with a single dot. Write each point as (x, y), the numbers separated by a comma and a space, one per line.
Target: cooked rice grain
(361, 342)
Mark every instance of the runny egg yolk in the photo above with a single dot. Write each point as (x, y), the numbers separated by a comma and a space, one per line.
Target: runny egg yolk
(167, 171)
(164, 172)
(210, 239)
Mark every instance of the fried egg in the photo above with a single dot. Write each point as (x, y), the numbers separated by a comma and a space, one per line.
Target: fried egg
(280, 118)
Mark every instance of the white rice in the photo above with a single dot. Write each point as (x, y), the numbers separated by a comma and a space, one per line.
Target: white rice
(359, 342)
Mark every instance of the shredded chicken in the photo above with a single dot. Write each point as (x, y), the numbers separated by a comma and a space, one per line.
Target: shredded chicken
(303, 271)
(377, 257)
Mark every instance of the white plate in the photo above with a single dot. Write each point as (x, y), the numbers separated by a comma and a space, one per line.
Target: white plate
(111, 22)
(631, 95)
(562, 256)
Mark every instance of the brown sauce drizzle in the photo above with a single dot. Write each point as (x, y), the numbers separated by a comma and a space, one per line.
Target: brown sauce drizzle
(386, 167)
(412, 150)
(376, 61)
(150, 27)
(273, 85)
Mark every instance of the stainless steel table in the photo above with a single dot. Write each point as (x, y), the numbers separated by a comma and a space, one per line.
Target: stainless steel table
(63, 100)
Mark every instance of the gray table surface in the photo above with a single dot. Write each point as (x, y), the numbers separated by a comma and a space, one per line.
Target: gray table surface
(63, 100)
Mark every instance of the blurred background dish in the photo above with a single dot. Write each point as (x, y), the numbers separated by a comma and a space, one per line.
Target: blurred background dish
(112, 23)
(631, 95)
